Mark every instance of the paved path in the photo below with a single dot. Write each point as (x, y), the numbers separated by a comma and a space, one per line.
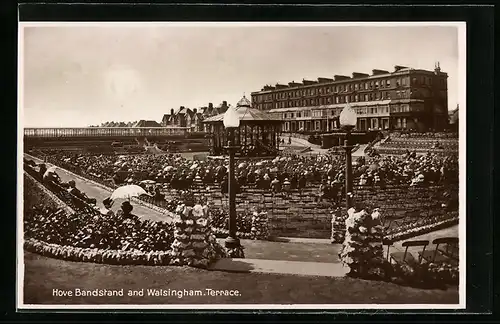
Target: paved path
(322, 269)
(312, 251)
(98, 192)
(360, 151)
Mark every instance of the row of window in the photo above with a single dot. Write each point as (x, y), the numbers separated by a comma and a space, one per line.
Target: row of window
(371, 85)
(359, 111)
(373, 123)
(386, 95)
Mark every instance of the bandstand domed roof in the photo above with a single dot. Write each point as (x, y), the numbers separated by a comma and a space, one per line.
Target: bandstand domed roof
(244, 102)
(245, 113)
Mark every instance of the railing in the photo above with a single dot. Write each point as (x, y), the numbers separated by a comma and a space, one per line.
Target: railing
(104, 131)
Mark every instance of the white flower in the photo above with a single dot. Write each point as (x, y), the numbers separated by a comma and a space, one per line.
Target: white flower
(202, 221)
(188, 253)
(179, 209)
(363, 229)
(187, 211)
(198, 211)
(351, 211)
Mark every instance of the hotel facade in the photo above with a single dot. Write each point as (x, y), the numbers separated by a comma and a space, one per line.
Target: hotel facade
(403, 99)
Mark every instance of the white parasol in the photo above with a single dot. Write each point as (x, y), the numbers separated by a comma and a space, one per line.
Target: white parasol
(127, 192)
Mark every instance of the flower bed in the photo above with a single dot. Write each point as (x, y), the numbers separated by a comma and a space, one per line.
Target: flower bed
(260, 225)
(96, 255)
(444, 273)
(428, 275)
(194, 245)
(362, 251)
(338, 227)
(220, 223)
(428, 225)
(87, 231)
(52, 231)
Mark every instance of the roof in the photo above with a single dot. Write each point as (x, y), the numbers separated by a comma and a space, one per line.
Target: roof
(244, 102)
(245, 113)
(146, 123)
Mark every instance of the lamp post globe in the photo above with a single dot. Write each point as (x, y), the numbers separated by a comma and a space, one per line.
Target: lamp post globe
(348, 121)
(231, 118)
(348, 117)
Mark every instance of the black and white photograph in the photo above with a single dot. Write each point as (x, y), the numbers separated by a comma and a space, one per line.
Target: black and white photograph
(225, 165)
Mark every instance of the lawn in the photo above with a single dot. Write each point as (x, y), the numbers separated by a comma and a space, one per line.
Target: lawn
(42, 275)
(306, 252)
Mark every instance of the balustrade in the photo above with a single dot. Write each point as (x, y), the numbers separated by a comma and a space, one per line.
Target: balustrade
(104, 132)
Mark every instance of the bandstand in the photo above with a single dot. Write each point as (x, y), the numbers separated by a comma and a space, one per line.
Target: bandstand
(257, 135)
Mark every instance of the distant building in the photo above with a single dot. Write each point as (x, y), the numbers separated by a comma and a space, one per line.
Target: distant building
(192, 118)
(403, 99)
(146, 123)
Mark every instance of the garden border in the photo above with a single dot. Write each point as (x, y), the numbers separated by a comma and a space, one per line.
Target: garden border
(96, 255)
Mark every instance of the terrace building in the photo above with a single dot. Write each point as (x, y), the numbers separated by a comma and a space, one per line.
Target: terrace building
(405, 98)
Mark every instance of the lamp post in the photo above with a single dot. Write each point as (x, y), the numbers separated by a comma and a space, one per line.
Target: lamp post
(231, 123)
(348, 120)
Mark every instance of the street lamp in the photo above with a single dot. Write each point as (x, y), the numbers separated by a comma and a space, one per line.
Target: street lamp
(231, 123)
(348, 120)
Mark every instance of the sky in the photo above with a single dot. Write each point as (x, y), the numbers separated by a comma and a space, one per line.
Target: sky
(75, 76)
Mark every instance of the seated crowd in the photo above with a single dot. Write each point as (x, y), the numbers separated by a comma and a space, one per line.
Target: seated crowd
(279, 175)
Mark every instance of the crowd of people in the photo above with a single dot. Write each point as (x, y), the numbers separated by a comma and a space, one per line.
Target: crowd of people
(280, 174)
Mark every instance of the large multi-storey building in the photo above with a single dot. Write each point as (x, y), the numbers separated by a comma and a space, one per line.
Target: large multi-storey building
(403, 99)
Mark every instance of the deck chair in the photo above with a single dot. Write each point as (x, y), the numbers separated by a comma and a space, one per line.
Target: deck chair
(446, 251)
(450, 248)
(388, 243)
(408, 258)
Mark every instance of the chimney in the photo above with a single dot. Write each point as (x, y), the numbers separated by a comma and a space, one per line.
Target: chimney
(321, 80)
(356, 75)
(294, 84)
(210, 105)
(172, 112)
(308, 82)
(224, 103)
(195, 111)
(281, 86)
(378, 72)
(340, 77)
